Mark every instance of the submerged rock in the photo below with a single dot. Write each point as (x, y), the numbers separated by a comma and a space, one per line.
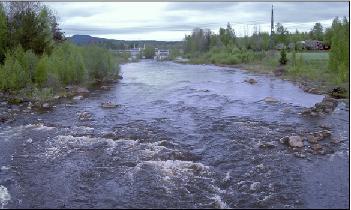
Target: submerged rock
(82, 90)
(78, 97)
(270, 99)
(251, 81)
(268, 145)
(105, 87)
(327, 106)
(108, 105)
(84, 116)
(45, 105)
(255, 186)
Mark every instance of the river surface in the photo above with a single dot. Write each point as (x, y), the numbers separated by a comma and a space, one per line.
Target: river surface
(183, 136)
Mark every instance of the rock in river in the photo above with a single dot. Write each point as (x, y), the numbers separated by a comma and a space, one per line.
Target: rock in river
(77, 97)
(270, 99)
(255, 186)
(251, 81)
(108, 105)
(295, 141)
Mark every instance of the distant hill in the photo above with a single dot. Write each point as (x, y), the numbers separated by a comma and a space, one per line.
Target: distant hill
(122, 44)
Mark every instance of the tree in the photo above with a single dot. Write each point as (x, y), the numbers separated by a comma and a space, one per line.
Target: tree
(283, 60)
(281, 35)
(198, 42)
(316, 32)
(227, 36)
(149, 52)
(3, 33)
(30, 26)
(339, 54)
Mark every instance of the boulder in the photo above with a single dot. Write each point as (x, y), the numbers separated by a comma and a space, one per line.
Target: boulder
(255, 186)
(268, 145)
(82, 90)
(270, 99)
(105, 87)
(84, 116)
(45, 105)
(251, 81)
(338, 92)
(78, 97)
(108, 105)
(316, 147)
(326, 106)
(284, 140)
(295, 141)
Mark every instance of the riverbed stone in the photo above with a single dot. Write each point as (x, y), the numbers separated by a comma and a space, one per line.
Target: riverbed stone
(270, 99)
(251, 81)
(255, 186)
(45, 105)
(284, 140)
(108, 105)
(82, 90)
(85, 116)
(78, 97)
(295, 141)
(316, 147)
(268, 145)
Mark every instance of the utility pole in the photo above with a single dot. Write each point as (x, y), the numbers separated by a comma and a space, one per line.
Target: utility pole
(271, 40)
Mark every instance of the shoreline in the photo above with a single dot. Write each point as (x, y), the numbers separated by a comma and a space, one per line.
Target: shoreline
(308, 86)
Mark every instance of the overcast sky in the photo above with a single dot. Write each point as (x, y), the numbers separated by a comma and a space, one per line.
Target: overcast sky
(169, 21)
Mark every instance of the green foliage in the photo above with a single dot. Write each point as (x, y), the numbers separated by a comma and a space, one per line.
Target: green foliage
(99, 62)
(3, 33)
(42, 95)
(67, 63)
(317, 32)
(339, 53)
(281, 34)
(198, 42)
(17, 69)
(149, 52)
(227, 36)
(283, 59)
(41, 71)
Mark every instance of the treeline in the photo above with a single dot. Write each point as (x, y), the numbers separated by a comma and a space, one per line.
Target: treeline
(224, 47)
(35, 53)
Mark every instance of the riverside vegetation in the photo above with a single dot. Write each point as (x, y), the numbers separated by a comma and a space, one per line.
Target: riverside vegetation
(323, 69)
(37, 62)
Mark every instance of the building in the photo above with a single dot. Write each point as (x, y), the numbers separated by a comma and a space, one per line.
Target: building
(161, 54)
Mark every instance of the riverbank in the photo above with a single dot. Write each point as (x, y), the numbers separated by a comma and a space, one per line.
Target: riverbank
(44, 100)
(312, 82)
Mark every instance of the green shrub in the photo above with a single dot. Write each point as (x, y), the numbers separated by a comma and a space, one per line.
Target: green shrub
(67, 64)
(42, 95)
(99, 62)
(283, 59)
(17, 69)
(41, 71)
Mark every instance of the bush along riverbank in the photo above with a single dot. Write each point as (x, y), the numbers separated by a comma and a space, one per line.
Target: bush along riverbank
(324, 72)
(38, 66)
(67, 72)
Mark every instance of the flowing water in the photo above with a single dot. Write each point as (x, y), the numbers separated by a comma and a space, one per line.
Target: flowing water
(183, 136)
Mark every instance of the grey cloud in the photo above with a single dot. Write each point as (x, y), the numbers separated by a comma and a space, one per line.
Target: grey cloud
(201, 6)
(71, 29)
(184, 16)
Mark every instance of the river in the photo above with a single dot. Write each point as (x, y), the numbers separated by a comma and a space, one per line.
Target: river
(183, 136)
